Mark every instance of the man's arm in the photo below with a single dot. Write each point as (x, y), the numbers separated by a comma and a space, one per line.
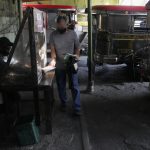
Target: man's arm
(53, 56)
(76, 45)
(53, 51)
(77, 52)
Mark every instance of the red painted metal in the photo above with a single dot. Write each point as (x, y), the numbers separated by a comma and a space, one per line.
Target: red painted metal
(119, 8)
(44, 6)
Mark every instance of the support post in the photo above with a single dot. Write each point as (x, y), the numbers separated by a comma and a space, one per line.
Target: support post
(34, 66)
(20, 12)
(90, 87)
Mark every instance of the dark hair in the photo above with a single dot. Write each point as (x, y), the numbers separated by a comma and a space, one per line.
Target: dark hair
(5, 46)
(60, 18)
(4, 41)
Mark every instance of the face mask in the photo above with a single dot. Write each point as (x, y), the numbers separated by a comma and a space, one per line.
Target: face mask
(61, 31)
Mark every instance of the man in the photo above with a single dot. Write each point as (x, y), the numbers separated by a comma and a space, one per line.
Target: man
(64, 41)
(11, 96)
(5, 46)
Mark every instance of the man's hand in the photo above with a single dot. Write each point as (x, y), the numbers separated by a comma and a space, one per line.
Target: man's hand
(77, 56)
(53, 62)
(77, 53)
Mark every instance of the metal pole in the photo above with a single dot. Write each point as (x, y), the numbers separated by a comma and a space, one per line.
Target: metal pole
(20, 10)
(34, 66)
(90, 87)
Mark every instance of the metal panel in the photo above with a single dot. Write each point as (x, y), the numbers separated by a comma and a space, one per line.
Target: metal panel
(26, 59)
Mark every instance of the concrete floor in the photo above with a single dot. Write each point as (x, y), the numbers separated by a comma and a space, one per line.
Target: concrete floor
(66, 130)
(117, 115)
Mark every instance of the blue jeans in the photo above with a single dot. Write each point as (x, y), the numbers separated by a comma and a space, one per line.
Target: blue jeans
(61, 76)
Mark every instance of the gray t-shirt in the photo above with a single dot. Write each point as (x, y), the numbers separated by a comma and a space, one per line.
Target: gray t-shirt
(63, 43)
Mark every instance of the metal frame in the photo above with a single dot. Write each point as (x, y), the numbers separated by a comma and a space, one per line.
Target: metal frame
(46, 84)
(32, 47)
(28, 15)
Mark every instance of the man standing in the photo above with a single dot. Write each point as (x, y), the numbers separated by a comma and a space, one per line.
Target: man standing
(5, 46)
(64, 41)
(9, 97)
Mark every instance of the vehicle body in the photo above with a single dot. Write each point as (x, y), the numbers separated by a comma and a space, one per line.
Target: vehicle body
(120, 34)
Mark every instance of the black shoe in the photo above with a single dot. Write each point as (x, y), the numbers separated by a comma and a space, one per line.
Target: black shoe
(63, 108)
(2, 110)
(77, 112)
